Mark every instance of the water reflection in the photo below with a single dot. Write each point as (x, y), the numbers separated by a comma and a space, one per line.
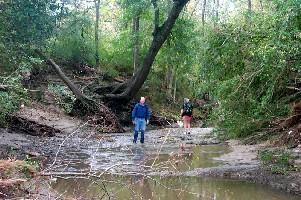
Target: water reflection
(142, 187)
(138, 159)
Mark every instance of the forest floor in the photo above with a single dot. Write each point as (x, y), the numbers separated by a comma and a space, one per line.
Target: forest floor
(73, 138)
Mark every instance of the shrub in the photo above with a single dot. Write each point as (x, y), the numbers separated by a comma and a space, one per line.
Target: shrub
(10, 99)
(248, 64)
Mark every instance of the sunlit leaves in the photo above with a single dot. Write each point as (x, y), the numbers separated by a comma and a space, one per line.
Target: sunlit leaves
(30, 21)
(248, 66)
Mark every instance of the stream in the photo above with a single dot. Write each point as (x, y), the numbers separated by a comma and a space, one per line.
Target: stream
(118, 169)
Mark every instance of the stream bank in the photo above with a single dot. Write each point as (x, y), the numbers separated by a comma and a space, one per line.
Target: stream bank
(79, 157)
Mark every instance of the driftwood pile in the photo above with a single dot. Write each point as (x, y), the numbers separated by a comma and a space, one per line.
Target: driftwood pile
(158, 120)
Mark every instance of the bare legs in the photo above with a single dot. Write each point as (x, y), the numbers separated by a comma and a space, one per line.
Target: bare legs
(186, 121)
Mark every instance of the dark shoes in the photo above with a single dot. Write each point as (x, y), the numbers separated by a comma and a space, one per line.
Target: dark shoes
(135, 142)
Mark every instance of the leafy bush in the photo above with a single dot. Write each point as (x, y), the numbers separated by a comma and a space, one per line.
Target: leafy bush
(248, 64)
(10, 99)
(63, 96)
(74, 42)
(278, 161)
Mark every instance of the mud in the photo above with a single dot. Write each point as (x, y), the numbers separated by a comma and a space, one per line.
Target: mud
(79, 148)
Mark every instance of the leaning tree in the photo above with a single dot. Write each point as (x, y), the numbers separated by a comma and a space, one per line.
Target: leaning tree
(127, 90)
(119, 92)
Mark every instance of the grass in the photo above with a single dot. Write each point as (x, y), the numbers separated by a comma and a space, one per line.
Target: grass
(278, 161)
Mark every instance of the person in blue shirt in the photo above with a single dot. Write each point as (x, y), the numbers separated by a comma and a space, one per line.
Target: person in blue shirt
(140, 118)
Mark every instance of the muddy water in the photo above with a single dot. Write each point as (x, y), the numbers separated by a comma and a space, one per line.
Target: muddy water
(138, 187)
(126, 165)
(142, 158)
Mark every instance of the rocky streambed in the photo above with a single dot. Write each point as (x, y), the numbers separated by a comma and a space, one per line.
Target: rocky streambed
(81, 163)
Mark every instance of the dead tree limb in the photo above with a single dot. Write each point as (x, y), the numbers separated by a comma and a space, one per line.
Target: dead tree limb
(85, 105)
(79, 95)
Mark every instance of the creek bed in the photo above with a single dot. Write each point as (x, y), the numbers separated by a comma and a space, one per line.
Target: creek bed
(128, 178)
(139, 187)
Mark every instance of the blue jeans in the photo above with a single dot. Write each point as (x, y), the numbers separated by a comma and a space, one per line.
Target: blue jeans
(140, 125)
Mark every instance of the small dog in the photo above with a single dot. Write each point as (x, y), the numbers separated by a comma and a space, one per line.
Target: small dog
(180, 124)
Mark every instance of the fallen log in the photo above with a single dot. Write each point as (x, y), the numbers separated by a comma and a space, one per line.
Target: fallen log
(31, 127)
(87, 106)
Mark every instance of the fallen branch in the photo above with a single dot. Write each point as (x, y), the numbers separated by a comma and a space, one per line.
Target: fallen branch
(87, 78)
(32, 127)
(79, 95)
(119, 80)
(85, 105)
(293, 88)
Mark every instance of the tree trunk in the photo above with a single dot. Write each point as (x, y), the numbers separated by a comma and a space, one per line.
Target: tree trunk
(261, 5)
(136, 48)
(78, 94)
(175, 88)
(97, 59)
(250, 6)
(203, 12)
(159, 36)
(217, 10)
(169, 80)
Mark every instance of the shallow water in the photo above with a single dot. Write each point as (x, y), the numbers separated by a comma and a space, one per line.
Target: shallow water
(138, 158)
(125, 164)
(139, 187)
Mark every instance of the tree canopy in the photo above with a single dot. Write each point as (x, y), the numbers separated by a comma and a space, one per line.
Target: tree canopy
(244, 54)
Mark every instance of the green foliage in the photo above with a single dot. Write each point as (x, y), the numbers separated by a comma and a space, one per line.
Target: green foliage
(32, 163)
(247, 66)
(25, 25)
(28, 22)
(74, 42)
(11, 99)
(278, 160)
(63, 96)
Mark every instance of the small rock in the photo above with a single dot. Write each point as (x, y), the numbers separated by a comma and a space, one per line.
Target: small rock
(33, 154)
(297, 163)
